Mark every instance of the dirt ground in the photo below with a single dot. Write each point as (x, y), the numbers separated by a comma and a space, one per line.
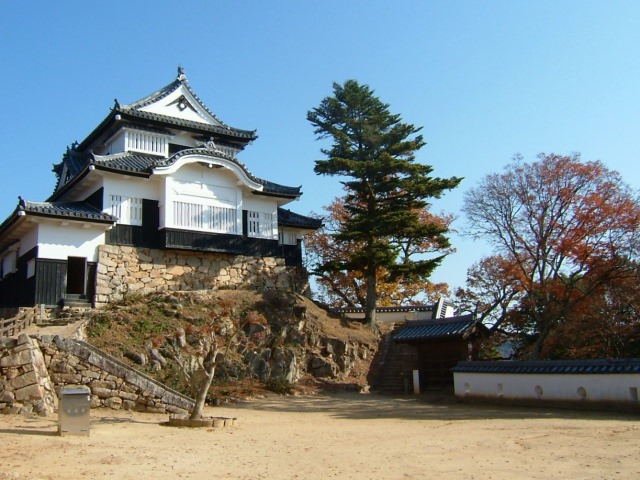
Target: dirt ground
(347, 436)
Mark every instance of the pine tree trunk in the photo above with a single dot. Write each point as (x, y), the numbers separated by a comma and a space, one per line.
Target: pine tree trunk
(370, 310)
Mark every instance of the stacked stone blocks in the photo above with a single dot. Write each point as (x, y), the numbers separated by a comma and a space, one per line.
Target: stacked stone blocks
(32, 370)
(25, 385)
(130, 270)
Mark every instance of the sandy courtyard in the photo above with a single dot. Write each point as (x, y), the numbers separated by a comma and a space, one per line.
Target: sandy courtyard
(338, 436)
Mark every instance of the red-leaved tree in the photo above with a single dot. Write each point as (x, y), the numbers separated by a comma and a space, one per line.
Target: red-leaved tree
(563, 230)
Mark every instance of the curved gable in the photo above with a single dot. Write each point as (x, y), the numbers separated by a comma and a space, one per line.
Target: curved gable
(215, 158)
(212, 159)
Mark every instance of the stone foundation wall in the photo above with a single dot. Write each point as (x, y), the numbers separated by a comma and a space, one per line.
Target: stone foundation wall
(131, 270)
(25, 386)
(32, 371)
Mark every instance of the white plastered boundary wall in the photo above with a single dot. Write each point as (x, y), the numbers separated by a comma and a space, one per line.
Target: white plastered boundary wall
(605, 387)
(393, 317)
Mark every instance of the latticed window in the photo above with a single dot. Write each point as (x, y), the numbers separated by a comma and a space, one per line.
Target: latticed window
(286, 237)
(9, 263)
(260, 224)
(204, 217)
(146, 142)
(128, 210)
(135, 211)
(116, 206)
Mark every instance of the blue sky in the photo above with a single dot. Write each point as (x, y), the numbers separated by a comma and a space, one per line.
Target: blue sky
(486, 79)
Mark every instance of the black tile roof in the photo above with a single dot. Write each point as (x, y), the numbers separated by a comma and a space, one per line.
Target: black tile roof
(288, 218)
(127, 162)
(74, 161)
(417, 330)
(12, 229)
(71, 210)
(551, 366)
(179, 122)
(272, 188)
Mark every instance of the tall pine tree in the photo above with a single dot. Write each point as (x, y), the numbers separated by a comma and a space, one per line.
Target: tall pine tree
(386, 190)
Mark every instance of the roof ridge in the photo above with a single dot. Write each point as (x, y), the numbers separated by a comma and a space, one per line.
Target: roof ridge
(574, 366)
(96, 156)
(129, 153)
(433, 321)
(222, 128)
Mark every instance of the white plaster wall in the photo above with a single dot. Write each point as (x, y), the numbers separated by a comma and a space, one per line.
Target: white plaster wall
(196, 173)
(212, 190)
(59, 242)
(393, 317)
(29, 240)
(9, 261)
(183, 138)
(169, 108)
(260, 204)
(420, 315)
(116, 144)
(129, 187)
(590, 387)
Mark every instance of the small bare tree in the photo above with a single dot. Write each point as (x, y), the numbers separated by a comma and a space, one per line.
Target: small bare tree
(199, 349)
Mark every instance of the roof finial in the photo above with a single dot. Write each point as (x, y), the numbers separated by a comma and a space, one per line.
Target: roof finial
(210, 144)
(181, 75)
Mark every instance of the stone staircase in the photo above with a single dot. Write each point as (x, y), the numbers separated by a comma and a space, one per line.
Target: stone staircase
(76, 301)
(63, 321)
(394, 367)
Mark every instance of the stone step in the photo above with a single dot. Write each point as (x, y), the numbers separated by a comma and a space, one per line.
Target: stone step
(58, 322)
(76, 303)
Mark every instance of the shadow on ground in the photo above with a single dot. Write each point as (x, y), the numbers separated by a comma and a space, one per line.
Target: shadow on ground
(419, 407)
(153, 419)
(33, 426)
